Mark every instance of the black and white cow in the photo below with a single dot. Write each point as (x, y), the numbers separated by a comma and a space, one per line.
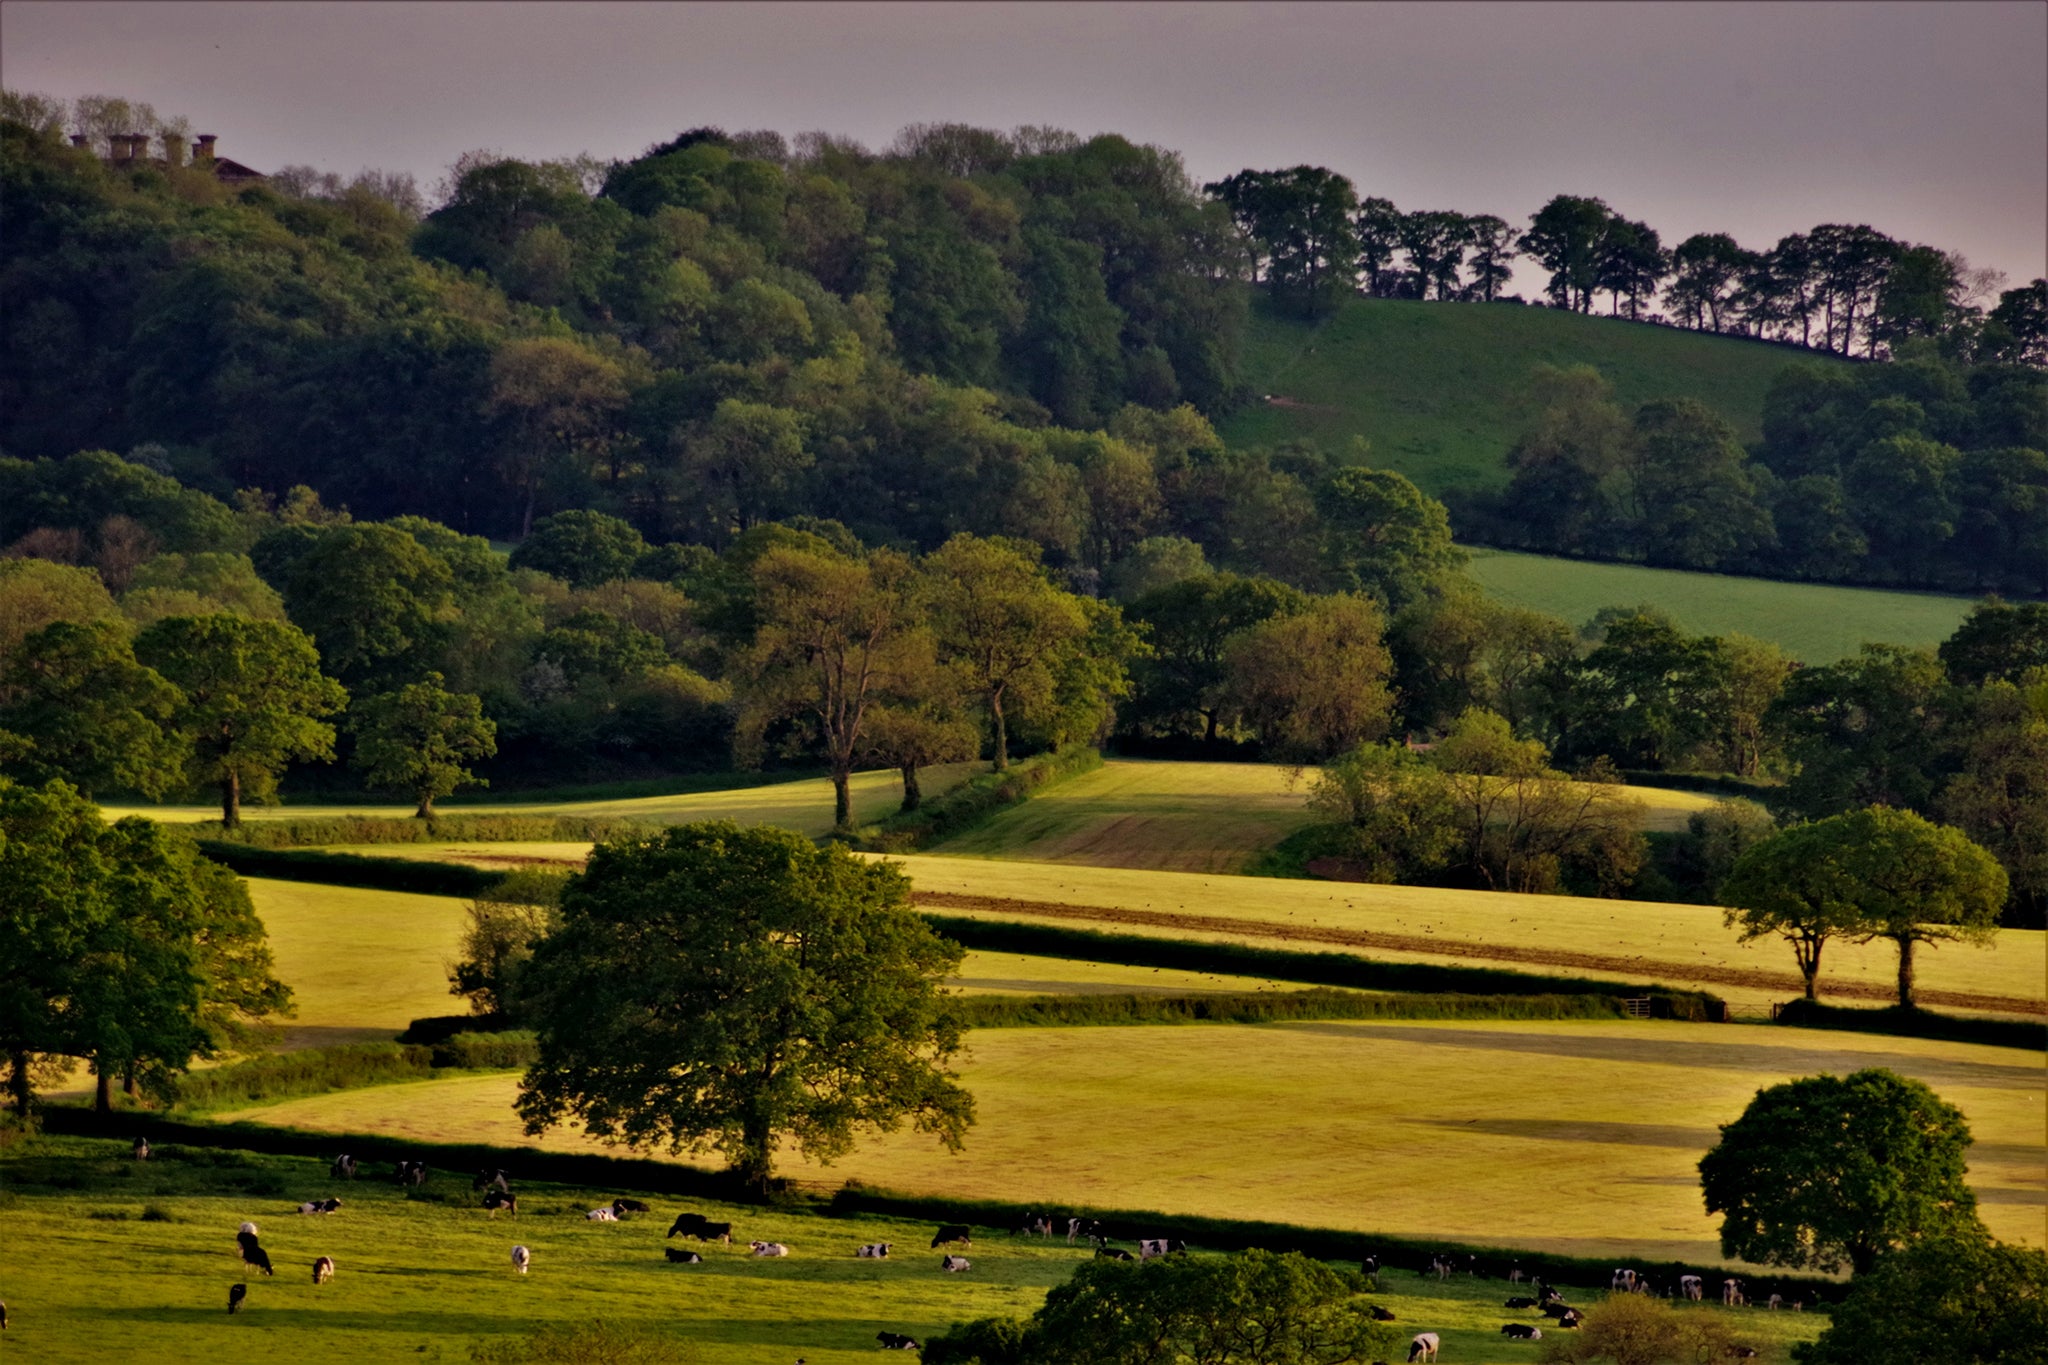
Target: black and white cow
(1557, 1309)
(253, 1255)
(1515, 1275)
(1775, 1302)
(896, 1341)
(236, 1293)
(1424, 1347)
(698, 1226)
(1624, 1280)
(1570, 1317)
(1440, 1266)
(498, 1199)
(411, 1173)
(603, 1215)
(1522, 1331)
(142, 1149)
(1149, 1247)
(622, 1207)
(1521, 1301)
(681, 1257)
(1369, 1266)
(1380, 1314)
(344, 1168)
(323, 1270)
(488, 1179)
(874, 1251)
(767, 1249)
(1078, 1228)
(521, 1258)
(953, 1265)
(1731, 1292)
(1692, 1287)
(1113, 1254)
(953, 1232)
(1033, 1225)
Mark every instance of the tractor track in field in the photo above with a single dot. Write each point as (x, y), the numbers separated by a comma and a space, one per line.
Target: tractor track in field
(1462, 948)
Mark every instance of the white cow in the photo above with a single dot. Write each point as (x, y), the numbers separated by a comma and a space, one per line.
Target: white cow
(878, 1251)
(323, 1270)
(602, 1216)
(953, 1265)
(521, 1258)
(1731, 1292)
(767, 1249)
(1424, 1347)
(1692, 1287)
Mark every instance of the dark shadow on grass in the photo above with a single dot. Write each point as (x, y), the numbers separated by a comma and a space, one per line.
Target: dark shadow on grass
(1652, 1047)
(1583, 1130)
(2007, 1194)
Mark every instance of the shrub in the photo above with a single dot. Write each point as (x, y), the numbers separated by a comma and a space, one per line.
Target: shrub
(479, 1051)
(313, 1071)
(975, 801)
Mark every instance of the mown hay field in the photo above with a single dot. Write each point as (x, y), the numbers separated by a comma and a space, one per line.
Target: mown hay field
(1815, 622)
(1684, 945)
(804, 806)
(1572, 1137)
(417, 1279)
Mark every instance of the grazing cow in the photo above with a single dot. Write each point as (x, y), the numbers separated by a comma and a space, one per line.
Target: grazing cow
(344, 1168)
(1078, 1228)
(1521, 1301)
(896, 1341)
(1033, 1225)
(953, 1265)
(703, 1229)
(874, 1251)
(253, 1254)
(683, 1257)
(1424, 1347)
(521, 1258)
(622, 1207)
(249, 1228)
(411, 1173)
(1624, 1280)
(1369, 1266)
(1113, 1254)
(601, 1216)
(142, 1149)
(952, 1232)
(486, 1179)
(1775, 1302)
(1148, 1247)
(767, 1249)
(1522, 1331)
(323, 1270)
(1731, 1292)
(1515, 1275)
(1380, 1314)
(236, 1293)
(1692, 1287)
(495, 1201)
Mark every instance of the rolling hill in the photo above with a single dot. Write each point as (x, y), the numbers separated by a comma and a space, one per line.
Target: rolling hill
(1433, 386)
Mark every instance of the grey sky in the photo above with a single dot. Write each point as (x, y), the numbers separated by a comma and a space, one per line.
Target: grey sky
(1930, 122)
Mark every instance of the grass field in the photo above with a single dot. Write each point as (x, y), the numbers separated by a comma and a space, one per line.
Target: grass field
(1815, 622)
(1638, 940)
(1572, 1137)
(1435, 387)
(426, 1280)
(804, 805)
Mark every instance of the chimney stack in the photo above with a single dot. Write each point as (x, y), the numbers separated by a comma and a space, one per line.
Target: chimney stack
(174, 150)
(204, 151)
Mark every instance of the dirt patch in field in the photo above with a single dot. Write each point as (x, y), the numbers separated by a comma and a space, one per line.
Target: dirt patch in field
(1451, 947)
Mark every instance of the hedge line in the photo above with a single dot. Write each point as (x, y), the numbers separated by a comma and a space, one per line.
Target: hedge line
(316, 831)
(1321, 969)
(1915, 1023)
(974, 802)
(599, 1172)
(1268, 1007)
(312, 1071)
(415, 875)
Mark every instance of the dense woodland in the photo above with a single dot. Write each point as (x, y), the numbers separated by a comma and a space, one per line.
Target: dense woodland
(818, 455)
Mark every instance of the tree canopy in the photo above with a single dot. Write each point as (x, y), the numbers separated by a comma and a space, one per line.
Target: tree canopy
(1825, 1170)
(1963, 1298)
(727, 988)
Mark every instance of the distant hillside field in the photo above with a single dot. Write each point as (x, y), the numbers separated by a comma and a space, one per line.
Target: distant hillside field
(1815, 622)
(1434, 386)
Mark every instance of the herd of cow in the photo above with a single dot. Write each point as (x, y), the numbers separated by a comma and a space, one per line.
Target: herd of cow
(495, 1186)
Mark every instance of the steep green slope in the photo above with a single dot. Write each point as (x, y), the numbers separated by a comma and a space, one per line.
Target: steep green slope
(1434, 386)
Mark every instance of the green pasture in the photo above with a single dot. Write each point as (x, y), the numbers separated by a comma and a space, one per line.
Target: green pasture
(1639, 940)
(1815, 622)
(86, 1278)
(804, 805)
(1436, 387)
(1579, 1137)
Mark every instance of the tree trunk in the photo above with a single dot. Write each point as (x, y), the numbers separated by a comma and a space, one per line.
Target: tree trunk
(1210, 736)
(128, 1086)
(426, 810)
(913, 795)
(842, 800)
(995, 708)
(1809, 966)
(19, 1086)
(1906, 974)
(231, 799)
(755, 1164)
(103, 1088)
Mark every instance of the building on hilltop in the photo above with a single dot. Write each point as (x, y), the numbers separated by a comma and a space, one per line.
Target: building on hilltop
(128, 150)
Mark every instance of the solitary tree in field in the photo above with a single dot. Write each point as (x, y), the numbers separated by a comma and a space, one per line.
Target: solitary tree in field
(254, 700)
(1825, 1170)
(727, 988)
(416, 740)
(1793, 884)
(1915, 882)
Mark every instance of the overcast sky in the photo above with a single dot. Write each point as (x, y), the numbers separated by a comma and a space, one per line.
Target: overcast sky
(1929, 122)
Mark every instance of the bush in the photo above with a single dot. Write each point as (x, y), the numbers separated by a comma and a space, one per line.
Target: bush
(1051, 1011)
(439, 1028)
(1914, 1023)
(486, 1051)
(315, 832)
(351, 869)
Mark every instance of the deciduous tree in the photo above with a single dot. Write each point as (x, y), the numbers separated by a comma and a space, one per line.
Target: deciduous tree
(1314, 683)
(1825, 1170)
(417, 739)
(1963, 1298)
(712, 986)
(91, 714)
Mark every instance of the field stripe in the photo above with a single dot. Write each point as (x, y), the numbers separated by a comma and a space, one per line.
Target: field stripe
(1450, 947)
